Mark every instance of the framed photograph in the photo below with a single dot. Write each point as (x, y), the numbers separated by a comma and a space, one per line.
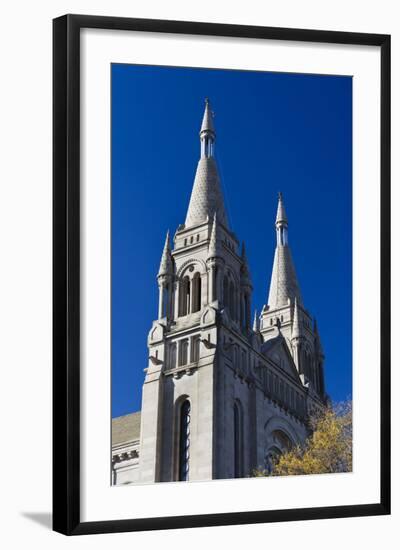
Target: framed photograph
(221, 274)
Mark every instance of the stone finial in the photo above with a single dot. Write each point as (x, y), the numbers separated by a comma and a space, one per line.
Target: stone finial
(281, 217)
(207, 125)
(255, 322)
(213, 245)
(296, 327)
(166, 261)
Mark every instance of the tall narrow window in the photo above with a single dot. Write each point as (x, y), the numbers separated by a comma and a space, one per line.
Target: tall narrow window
(172, 356)
(196, 300)
(195, 348)
(184, 297)
(183, 352)
(184, 441)
(238, 440)
(214, 274)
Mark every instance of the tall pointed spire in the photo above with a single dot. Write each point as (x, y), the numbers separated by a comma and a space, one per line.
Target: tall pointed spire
(284, 284)
(206, 197)
(165, 264)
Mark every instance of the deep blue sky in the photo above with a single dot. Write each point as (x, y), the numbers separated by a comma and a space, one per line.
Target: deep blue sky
(275, 132)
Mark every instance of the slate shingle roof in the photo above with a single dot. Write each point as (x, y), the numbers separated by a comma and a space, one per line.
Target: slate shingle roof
(206, 197)
(284, 284)
(125, 428)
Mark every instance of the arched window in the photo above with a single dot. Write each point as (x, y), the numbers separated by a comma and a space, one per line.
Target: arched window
(184, 441)
(184, 297)
(183, 352)
(195, 349)
(196, 299)
(214, 282)
(238, 439)
(172, 356)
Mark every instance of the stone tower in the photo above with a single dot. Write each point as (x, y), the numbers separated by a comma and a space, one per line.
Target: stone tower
(202, 281)
(220, 396)
(285, 310)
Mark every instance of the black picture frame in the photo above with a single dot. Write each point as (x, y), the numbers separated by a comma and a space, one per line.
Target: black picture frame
(66, 273)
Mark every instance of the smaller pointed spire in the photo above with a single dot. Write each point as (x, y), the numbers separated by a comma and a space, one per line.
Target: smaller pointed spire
(207, 125)
(281, 218)
(296, 332)
(213, 245)
(255, 322)
(166, 263)
(284, 285)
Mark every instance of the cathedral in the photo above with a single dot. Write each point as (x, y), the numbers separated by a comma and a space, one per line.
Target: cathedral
(222, 395)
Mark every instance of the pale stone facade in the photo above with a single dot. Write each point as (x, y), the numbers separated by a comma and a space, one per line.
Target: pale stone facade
(220, 396)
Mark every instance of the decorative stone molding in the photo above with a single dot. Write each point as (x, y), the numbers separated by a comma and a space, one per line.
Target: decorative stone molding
(187, 263)
(124, 456)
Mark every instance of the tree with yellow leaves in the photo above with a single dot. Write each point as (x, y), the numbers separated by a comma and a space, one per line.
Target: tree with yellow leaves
(327, 450)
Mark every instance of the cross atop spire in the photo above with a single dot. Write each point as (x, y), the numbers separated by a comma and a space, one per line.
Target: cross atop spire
(206, 197)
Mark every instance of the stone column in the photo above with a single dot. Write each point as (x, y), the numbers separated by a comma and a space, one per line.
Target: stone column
(204, 289)
(161, 295)
(176, 302)
(211, 283)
